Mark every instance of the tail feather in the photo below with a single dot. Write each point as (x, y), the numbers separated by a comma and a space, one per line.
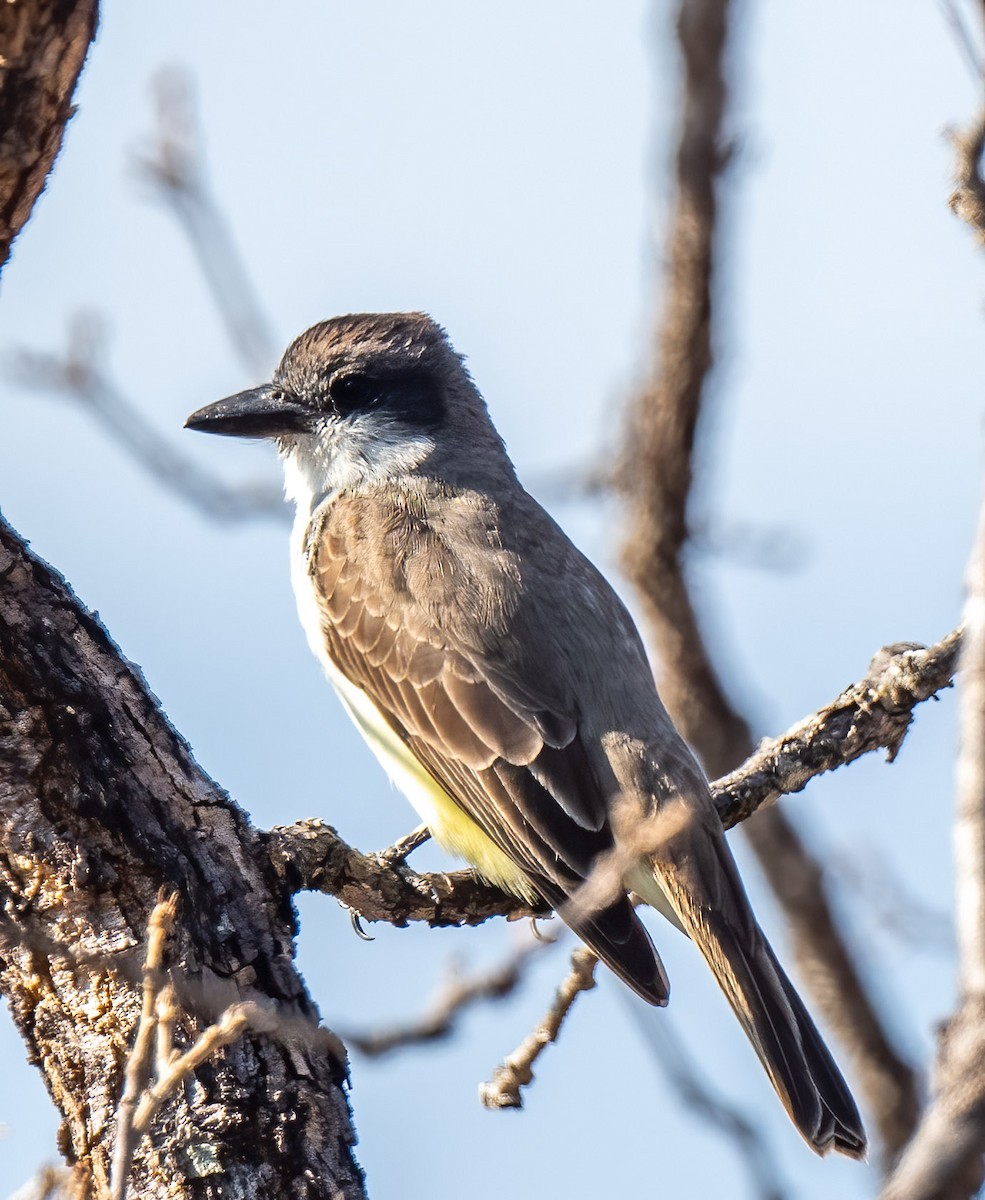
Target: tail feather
(618, 937)
(788, 1044)
(698, 880)
(842, 1129)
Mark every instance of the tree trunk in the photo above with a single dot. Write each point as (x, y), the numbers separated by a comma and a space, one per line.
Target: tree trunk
(102, 805)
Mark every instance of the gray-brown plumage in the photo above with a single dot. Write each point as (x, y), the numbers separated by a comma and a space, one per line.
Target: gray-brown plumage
(499, 678)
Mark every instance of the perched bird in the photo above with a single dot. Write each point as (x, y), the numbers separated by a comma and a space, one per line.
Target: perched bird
(500, 680)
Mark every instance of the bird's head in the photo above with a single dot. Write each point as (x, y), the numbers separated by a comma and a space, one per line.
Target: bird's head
(363, 397)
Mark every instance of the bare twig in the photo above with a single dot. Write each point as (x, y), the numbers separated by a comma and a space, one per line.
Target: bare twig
(865, 871)
(79, 376)
(943, 1161)
(457, 994)
(138, 1069)
(175, 167)
(405, 846)
(166, 1012)
(963, 39)
(54, 1183)
(968, 198)
(873, 714)
(142, 1098)
(504, 1090)
(230, 1027)
(656, 478)
(203, 999)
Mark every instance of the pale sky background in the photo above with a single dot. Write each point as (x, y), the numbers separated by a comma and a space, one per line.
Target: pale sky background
(504, 168)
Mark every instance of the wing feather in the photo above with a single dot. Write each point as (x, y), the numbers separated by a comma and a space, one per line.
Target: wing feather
(498, 743)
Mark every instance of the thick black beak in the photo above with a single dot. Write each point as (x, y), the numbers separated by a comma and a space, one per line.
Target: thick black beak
(262, 412)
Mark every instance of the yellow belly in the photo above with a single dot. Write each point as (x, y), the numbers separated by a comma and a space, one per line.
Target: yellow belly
(451, 827)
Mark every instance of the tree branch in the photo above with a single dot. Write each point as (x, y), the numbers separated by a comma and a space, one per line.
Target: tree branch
(873, 714)
(700, 1096)
(177, 171)
(311, 856)
(505, 1089)
(458, 993)
(80, 375)
(45, 43)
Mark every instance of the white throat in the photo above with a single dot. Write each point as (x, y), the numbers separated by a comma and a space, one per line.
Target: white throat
(317, 468)
(349, 455)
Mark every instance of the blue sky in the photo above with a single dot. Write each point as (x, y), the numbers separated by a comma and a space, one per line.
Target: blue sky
(504, 168)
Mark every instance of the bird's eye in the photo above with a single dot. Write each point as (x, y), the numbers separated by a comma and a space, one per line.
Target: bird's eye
(350, 393)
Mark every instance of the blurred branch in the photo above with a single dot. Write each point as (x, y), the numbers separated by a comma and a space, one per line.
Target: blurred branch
(967, 201)
(655, 472)
(697, 1094)
(943, 1161)
(44, 45)
(774, 548)
(505, 1088)
(458, 993)
(963, 39)
(656, 477)
(864, 871)
(78, 376)
(55, 1183)
(175, 168)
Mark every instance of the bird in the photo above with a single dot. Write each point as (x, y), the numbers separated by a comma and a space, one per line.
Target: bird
(500, 680)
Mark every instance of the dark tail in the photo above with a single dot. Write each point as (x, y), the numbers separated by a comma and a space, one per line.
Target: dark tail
(782, 1033)
(618, 937)
(697, 878)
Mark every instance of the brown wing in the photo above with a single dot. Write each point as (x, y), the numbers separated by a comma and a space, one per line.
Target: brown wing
(500, 746)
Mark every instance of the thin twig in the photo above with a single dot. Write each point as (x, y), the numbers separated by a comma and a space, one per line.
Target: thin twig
(176, 169)
(504, 1089)
(963, 39)
(863, 870)
(53, 1183)
(79, 376)
(457, 994)
(139, 1064)
(405, 846)
(230, 1027)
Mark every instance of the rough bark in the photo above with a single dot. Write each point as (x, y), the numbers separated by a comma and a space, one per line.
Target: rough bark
(43, 44)
(101, 804)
